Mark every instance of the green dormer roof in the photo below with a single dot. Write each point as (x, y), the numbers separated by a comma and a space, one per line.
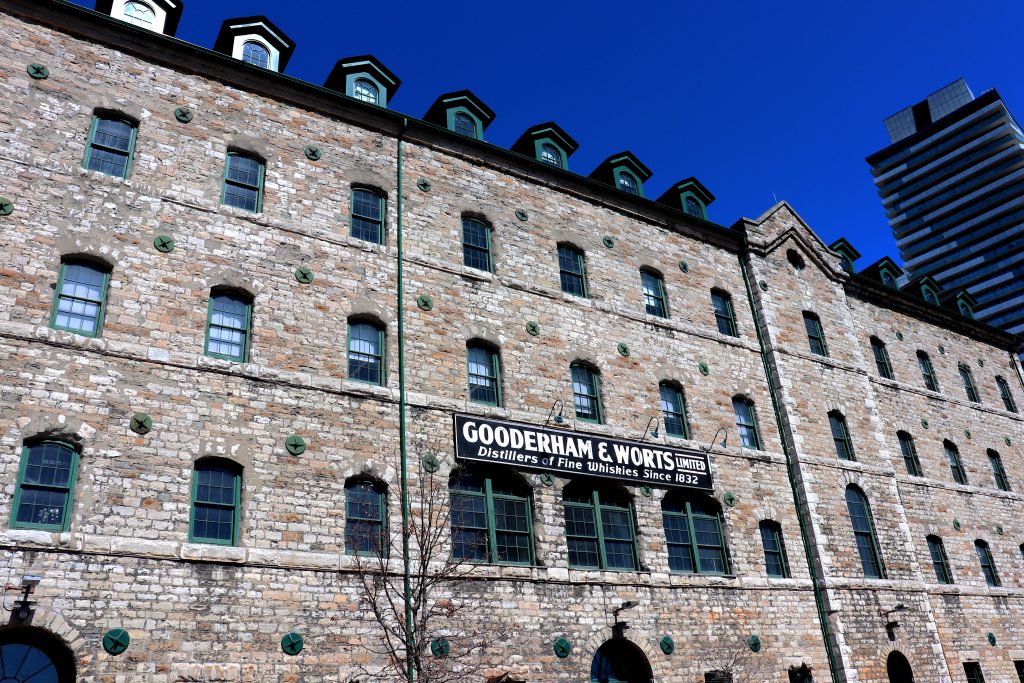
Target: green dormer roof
(534, 138)
(347, 71)
(675, 196)
(882, 267)
(609, 171)
(447, 107)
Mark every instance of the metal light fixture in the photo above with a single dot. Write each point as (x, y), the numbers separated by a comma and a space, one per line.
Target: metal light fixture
(648, 430)
(558, 419)
(619, 627)
(712, 444)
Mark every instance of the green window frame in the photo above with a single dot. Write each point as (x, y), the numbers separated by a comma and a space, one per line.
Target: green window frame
(550, 154)
(998, 471)
(111, 145)
(242, 183)
(572, 270)
(586, 393)
(228, 325)
(881, 355)
(909, 451)
(365, 351)
(693, 206)
(956, 465)
(655, 300)
(627, 182)
(600, 527)
(746, 422)
(965, 309)
(365, 517)
(80, 300)
(216, 502)
(693, 534)
(464, 124)
(491, 517)
(888, 280)
(841, 436)
(775, 561)
(476, 245)
(1004, 393)
(988, 563)
(483, 366)
(968, 380)
(973, 672)
(927, 371)
(929, 295)
(725, 318)
(366, 220)
(45, 488)
(940, 563)
(864, 533)
(673, 410)
(815, 334)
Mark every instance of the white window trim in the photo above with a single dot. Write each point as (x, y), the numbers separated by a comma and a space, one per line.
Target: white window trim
(159, 13)
(239, 46)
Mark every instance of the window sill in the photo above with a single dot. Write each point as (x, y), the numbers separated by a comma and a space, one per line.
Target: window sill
(474, 274)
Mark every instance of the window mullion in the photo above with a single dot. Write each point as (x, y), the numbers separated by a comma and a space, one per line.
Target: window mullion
(694, 550)
(492, 530)
(599, 529)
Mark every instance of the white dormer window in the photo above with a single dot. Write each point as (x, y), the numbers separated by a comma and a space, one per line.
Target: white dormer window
(253, 49)
(139, 13)
(256, 54)
(150, 15)
(366, 91)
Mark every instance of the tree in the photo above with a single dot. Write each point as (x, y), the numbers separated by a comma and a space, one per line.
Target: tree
(731, 660)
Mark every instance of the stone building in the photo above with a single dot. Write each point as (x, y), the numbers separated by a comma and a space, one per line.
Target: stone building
(231, 301)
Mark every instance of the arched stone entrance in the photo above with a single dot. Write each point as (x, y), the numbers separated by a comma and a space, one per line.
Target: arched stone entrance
(620, 661)
(34, 655)
(899, 668)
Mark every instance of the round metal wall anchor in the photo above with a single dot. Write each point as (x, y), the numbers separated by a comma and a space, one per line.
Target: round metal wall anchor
(967, 433)
(440, 647)
(312, 152)
(623, 349)
(667, 645)
(141, 423)
(183, 114)
(532, 328)
(704, 369)
(547, 479)
(956, 524)
(38, 72)
(522, 215)
(6, 206)
(999, 529)
(685, 267)
(755, 643)
(430, 463)
(924, 423)
(425, 302)
(942, 349)
(763, 285)
(116, 641)
(423, 184)
(646, 491)
(608, 241)
(1006, 440)
(291, 644)
(981, 362)
(562, 648)
(295, 444)
(991, 637)
(164, 244)
(899, 335)
(730, 499)
(304, 275)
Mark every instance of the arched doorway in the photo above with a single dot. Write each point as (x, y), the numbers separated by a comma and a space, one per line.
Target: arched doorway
(620, 661)
(34, 655)
(899, 668)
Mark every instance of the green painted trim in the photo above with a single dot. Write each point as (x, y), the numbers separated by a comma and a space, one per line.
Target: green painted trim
(659, 282)
(491, 521)
(495, 368)
(381, 490)
(582, 264)
(236, 512)
(844, 435)
(382, 207)
(91, 142)
(968, 379)
(692, 195)
(383, 94)
(244, 358)
(1005, 394)
(563, 158)
(956, 465)
(54, 309)
(775, 529)
(65, 521)
(452, 111)
(595, 376)
(616, 170)
(259, 187)
(487, 235)
(817, 333)
(382, 378)
(695, 546)
(679, 404)
(995, 461)
(758, 443)
(730, 313)
(602, 553)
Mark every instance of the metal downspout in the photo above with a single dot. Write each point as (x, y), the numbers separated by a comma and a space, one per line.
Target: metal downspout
(826, 636)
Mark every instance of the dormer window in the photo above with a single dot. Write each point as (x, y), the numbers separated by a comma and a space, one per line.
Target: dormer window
(888, 280)
(694, 208)
(627, 183)
(550, 155)
(159, 16)
(461, 112)
(547, 143)
(464, 125)
(256, 54)
(366, 91)
(929, 295)
(256, 41)
(966, 310)
(140, 14)
(363, 78)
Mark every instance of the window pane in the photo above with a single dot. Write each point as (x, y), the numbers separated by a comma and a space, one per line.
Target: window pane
(366, 216)
(464, 125)
(693, 207)
(214, 503)
(365, 355)
(242, 182)
(229, 326)
(654, 294)
(585, 394)
(864, 533)
(483, 376)
(570, 270)
(677, 534)
(139, 14)
(256, 54)
(628, 184)
(80, 298)
(673, 411)
(910, 458)
(476, 245)
(723, 314)
(366, 91)
(550, 155)
(745, 423)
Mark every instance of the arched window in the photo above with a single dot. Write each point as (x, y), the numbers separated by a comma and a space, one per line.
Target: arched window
(366, 351)
(139, 13)
(45, 487)
(841, 436)
(228, 325)
(655, 301)
(864, 533)
(909, 452)
(256, 54)
(955, 465)
(966, 310)
(693, 532)
(586, 393)
(484, 369)
(549, 155)
(1004, 393)
(33, 655)
(110, 147)
(721, 302)
(464, 124)
(815, 334)
(599, 527)
(367, 216)
(673, 410)
(476, 244)
(927, 371)
(627, 183)
(366, 91)
(572, 272)
(881, 358)
(995, 461)
(243, 182)
(888, 280)
(968, 380)
(365, 517)
(898, 668)
(216, 497)
(988, 565)
(746, 422)
(490, 516)
(693, 207)
(81, 296)
(940, 562)
(929, 295)
(775, 561)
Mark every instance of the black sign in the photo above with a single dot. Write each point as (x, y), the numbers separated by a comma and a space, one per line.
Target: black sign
(573, 453)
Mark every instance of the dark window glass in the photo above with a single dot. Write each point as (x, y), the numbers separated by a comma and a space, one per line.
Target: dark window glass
(693, 207)
(955, 465)
(243, 182)
(888, 280)
(718, 677)
(586, 393)
(966, 310)
(1002, 481)
(627, 183)
(815, 335)
(366, 352)
(464, 125)
(988, 565)
(476, 245)
(1019, 667)
(654, 294)
(366, 91)
(365, 518)
(46, 482)
(939, 560)
(864, 533)
(841, 436)
(484, 375)
(881, 358)
(775, 560)
(909, 452)
(968, 379)
(571, 270)
(927, 372)
(367, 216)
(673, 410)
(110, 146)
(256, 54)
(599, 528)
(550, 155)
(215, 497)
(929, 295)
(1004, 393)
(693, 532)
(724, 317)
(973, 672)
(78, 306)
(227, 330)
(746, 423)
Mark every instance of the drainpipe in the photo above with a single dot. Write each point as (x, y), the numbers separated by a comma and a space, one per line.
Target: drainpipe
(819, 603)
(406, 512)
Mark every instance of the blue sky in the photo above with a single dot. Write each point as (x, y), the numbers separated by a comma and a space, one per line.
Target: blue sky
(757, 100)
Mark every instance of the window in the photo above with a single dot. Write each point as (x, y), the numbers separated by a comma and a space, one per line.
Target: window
(367, 216)
(965, 309)
(888, 280)
(973, 672)
(881, 358)
(464, 125)
(929, 295)
(795, 259)
(46, 482)
(599, 527)
(256, 54)
(491, 518)
(746, 422)
(841, 436)
(939, 560)
(366, 352)
(724, 318)
(216, 490)
(909, 451)
(864, 533)
(953, 457)
(800, 675)
(228, 325)
(1019, 667)
(927, 371)
(718, 677)
(845, 263)
(1004, 392)
(365, 517)
(81, 292)
(988, 565)
(1002, 481)
(968, 379)
(139, 13)
(655, 301)
(549, 155)
(243, 182)
(476, 244)
(586, 393)
(693, 207)
(571, 270)
(775, 561)
(815, 335)
(673, 410)
(111, 142)
(693, 531)
(627, 183)
(366, 91)
(484, 374)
